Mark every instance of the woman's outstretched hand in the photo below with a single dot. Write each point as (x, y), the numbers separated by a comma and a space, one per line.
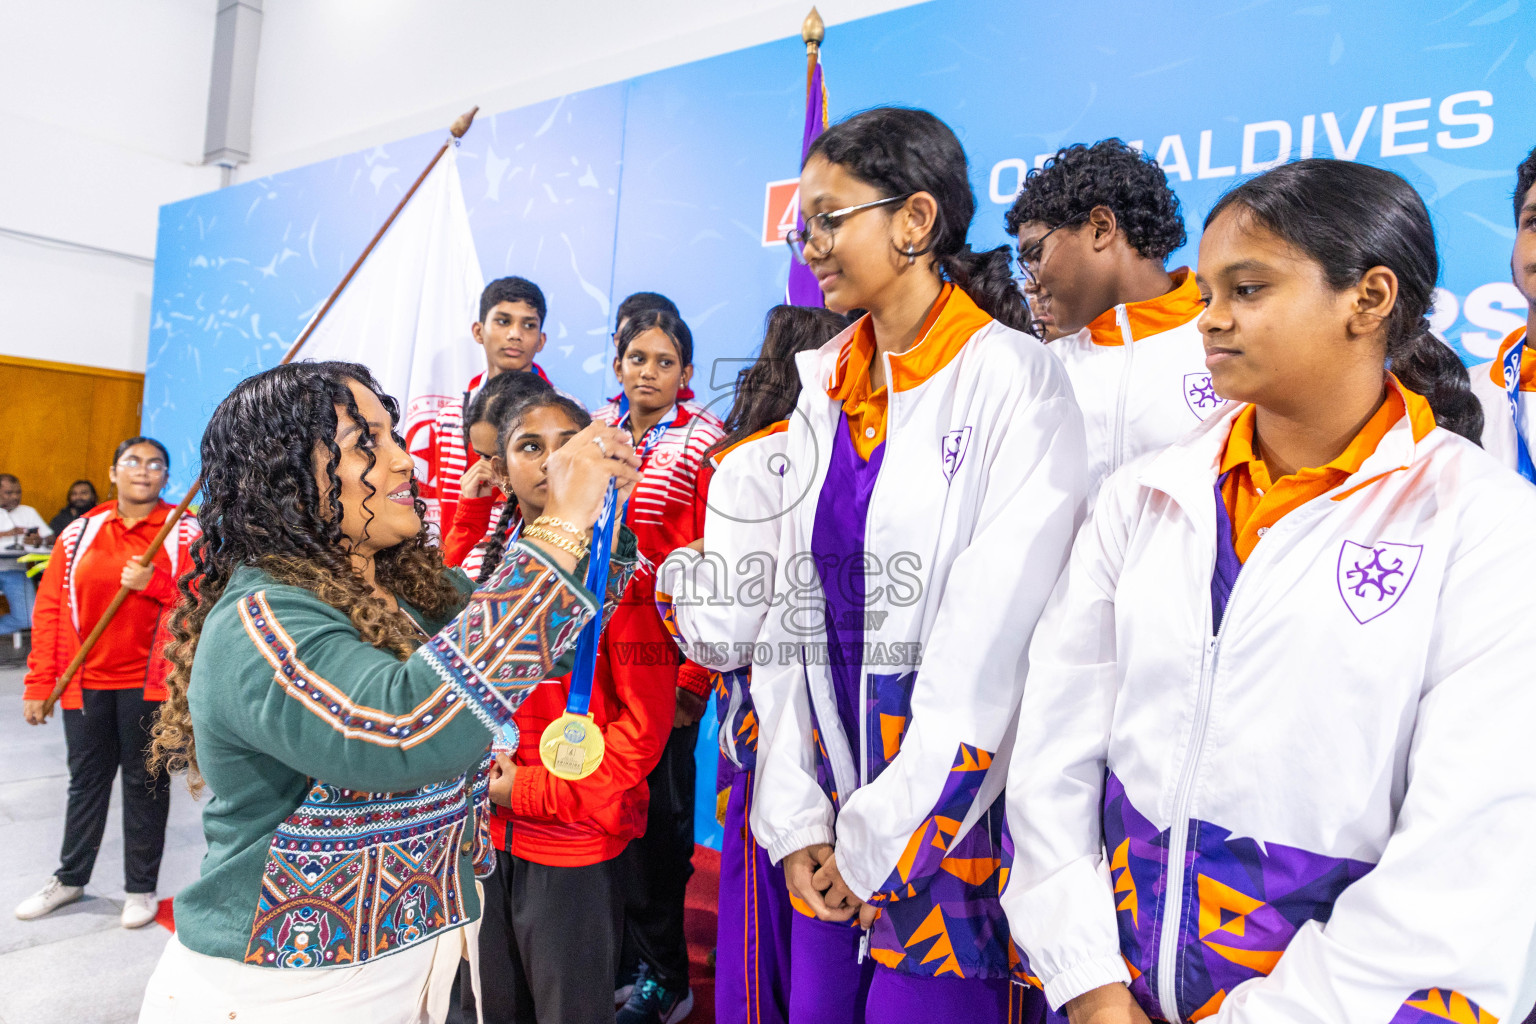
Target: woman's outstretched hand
(580, 469)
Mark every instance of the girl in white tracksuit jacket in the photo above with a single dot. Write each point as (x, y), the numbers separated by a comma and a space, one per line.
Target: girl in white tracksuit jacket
(1272, 758)
(936, 466)
(714, 602)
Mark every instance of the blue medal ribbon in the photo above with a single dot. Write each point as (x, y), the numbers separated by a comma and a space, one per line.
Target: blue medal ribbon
(1512, 392)
(585, 667)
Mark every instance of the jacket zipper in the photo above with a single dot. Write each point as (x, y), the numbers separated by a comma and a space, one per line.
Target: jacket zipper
(1124, 321)
(890, 408)
(1178, 833)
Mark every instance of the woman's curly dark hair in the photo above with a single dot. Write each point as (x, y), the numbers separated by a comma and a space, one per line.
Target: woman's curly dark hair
(262, 507)
(1107, 173)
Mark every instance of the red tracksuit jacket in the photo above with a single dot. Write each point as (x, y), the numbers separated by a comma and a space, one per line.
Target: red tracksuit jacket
(569, 824)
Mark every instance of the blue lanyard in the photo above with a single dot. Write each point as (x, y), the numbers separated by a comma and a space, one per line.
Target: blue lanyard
(653, 437)
(585, 668)
(1512, 392)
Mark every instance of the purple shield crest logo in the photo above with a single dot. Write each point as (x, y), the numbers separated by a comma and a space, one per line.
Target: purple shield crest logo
(1373, 577)
(952, 450)
(1200, 395)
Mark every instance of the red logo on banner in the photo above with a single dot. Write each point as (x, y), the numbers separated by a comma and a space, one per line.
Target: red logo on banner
(780, 210)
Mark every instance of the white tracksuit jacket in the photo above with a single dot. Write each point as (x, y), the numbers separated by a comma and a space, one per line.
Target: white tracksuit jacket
(1498, 423)
(1344, 775)
(1144, 393)
(714, 603)
(970, 520)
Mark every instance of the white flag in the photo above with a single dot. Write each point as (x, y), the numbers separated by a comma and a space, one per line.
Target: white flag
(406, 314)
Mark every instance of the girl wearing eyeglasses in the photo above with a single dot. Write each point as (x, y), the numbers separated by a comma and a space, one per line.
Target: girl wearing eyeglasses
(940, 454)
(110, 702)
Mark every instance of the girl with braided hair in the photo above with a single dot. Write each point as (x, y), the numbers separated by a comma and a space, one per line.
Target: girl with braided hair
(483, 515)
(336, 688)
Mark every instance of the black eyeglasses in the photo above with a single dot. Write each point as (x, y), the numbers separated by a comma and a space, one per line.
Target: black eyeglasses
(1028, 260)
(819, 234)
(131, 462)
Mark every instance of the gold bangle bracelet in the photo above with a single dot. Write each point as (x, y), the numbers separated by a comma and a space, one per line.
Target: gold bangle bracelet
(551, 537)
(561, 524)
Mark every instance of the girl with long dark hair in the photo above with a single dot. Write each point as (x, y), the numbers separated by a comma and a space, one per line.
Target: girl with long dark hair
(1271, 755)
(940, 455)
(715, 595)
(111, 701)
(336, 688)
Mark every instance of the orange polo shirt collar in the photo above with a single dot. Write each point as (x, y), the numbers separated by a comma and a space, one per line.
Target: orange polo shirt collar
(951, 322)
(1255, 502)
(1151, 316)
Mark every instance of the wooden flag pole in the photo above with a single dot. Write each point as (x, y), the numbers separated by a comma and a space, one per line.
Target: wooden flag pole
(460, 126)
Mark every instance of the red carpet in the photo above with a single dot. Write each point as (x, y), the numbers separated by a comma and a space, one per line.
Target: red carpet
(698, 923)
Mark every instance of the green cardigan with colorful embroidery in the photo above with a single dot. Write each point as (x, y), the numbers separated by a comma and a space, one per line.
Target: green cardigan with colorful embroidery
(348, 786)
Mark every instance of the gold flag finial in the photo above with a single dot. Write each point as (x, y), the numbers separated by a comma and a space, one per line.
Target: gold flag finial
(813, 30)
(462, 124)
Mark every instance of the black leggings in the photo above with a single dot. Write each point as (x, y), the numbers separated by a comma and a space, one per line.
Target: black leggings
(113, 732)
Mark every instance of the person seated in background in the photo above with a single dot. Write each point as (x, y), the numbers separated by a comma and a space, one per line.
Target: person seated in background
(1095, 227)
(19, 524)
(82, 498)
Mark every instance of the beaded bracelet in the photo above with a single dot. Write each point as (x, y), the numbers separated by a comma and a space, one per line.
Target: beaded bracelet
(577, 548)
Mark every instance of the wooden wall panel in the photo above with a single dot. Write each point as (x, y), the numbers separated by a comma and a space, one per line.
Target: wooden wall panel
(60, 423)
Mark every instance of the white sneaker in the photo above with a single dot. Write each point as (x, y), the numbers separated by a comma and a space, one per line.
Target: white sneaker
(48, 899)
(139, 909)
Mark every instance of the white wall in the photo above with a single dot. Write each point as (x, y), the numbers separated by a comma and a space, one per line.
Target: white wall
(101, 112)
(103, 105)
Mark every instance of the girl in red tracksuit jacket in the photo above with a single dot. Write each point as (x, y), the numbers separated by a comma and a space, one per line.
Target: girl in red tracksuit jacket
(550, 930)
(111, 702)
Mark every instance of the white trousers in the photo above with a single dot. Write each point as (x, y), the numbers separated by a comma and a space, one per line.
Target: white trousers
(414, 986)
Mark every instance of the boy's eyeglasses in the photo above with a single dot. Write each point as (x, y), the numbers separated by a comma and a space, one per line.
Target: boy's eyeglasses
(1028, 260)
(819, 234)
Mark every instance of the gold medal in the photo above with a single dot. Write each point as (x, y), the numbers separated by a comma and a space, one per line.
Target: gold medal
(572, 746)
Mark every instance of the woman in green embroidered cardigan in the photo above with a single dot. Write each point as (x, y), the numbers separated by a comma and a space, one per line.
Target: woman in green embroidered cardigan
(337, 689)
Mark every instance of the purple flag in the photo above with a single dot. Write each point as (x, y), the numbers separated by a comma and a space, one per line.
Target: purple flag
(803, 289)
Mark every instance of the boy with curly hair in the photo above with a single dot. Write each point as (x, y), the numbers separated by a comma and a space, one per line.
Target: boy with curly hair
(1095, 226)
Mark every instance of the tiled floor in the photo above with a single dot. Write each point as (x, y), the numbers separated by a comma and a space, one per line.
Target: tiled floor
(77, 964)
